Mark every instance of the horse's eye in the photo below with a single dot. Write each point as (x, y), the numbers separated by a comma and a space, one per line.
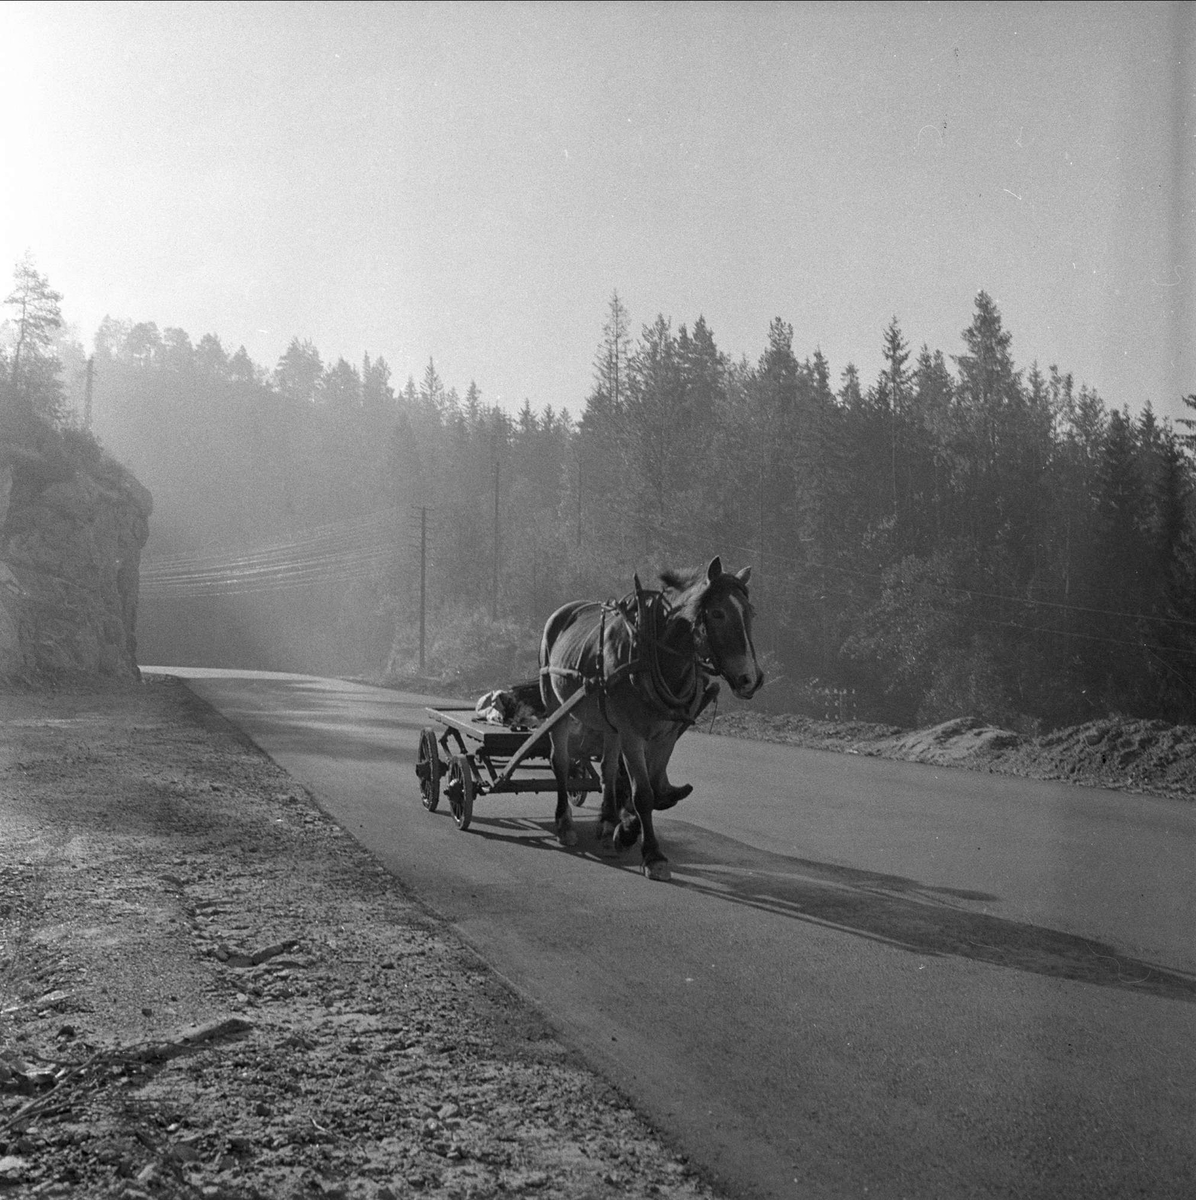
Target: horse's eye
(718, 614)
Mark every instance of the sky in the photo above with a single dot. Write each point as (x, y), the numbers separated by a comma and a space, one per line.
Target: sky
(471, 182)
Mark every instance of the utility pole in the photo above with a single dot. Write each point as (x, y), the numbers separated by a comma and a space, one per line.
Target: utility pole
(534, 589)
(760, 582)
(423, 582)
(91, 362)
(579, 462)
(494, 581)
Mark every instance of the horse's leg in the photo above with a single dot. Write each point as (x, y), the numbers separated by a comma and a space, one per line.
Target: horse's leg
(563, 821)
(665, 794)
(629, 825)
(656, 866)
(627, 829)
(608, 814)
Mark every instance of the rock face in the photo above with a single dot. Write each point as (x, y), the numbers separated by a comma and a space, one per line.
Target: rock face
(72, 525)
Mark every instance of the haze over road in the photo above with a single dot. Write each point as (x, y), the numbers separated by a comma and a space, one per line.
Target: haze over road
(866, 977)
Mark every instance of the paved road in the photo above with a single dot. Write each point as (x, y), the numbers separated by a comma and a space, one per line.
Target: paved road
(867, 978)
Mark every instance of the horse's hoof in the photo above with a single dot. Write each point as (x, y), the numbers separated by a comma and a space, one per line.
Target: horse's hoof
(626, 836)
(671, 797)
(606, 839)
(658, 870)
(567, 836)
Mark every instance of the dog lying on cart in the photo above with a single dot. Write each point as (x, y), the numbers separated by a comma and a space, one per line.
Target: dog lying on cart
(502, 744)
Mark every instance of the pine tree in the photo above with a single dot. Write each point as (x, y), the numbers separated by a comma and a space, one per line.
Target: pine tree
(850, 393)
(31, 378)
(933, 390)
(341, 387)
(177, 352)
(611, 360)
(377, 396)
(111, 336)
(299, 375)
(656, 432)
(242, 369)
(143, 346)
(473, 405)
(987, 390)
(431, 391)
(1188, 440)
(893, 393)
(210, 357)
(1173, 579)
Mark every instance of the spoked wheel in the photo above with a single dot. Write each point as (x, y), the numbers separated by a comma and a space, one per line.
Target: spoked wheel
(459, 791)
(427, 770)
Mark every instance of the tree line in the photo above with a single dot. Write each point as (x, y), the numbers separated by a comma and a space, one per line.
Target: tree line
(959, 534)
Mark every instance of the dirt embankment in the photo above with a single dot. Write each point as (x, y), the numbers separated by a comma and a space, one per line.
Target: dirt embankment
(1143, 756)
(207, 991)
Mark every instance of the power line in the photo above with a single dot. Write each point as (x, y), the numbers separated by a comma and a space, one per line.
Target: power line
(346, 550)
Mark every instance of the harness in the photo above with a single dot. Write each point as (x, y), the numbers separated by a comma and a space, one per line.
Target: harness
(646, 613)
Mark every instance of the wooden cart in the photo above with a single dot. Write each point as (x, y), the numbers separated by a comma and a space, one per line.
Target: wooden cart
(481, 758)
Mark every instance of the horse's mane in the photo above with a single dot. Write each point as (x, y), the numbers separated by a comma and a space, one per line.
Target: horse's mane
(692, 587)
(681, 579)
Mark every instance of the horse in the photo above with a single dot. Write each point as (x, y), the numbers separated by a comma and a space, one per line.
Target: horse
(649, 664)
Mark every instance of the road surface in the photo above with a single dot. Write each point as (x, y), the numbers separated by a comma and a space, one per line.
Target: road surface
(866, 977)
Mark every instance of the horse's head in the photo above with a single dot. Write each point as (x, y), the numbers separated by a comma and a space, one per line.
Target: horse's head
(717, 603)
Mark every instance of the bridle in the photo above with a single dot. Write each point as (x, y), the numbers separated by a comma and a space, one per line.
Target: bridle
(705, 657)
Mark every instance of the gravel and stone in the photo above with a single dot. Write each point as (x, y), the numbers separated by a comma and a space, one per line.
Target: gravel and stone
(207, 990)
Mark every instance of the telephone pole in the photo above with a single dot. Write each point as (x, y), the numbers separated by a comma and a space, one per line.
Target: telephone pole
(423, 582)
(579, 492)
(422, 509)
(91, 363)
(494, 581)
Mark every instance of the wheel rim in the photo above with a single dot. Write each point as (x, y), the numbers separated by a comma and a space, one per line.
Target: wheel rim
(427, 770)
(461, 792)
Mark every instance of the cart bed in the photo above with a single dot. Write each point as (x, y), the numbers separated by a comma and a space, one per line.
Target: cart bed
(495, 739)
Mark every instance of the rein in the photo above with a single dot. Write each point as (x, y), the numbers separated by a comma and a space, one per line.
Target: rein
(651, 611)
(652, 615)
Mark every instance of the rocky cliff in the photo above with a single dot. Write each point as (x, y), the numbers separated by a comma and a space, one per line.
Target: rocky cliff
(72, 525)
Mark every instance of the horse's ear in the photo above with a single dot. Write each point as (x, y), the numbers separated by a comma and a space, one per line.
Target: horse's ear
(715, 569)
(744, 575)
(639, 587)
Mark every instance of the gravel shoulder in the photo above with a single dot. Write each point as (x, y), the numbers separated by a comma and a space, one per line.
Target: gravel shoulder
(1148, 757)
(207, 990)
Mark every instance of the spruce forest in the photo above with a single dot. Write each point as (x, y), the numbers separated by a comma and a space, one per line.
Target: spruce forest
(962, 535)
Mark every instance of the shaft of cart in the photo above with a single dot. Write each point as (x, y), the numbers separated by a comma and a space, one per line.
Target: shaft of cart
(541, 730)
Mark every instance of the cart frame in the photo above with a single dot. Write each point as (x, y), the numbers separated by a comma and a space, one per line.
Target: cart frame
(482, 758)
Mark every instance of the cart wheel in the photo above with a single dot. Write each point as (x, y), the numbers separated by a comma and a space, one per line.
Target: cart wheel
(460, 791)
(427, 770)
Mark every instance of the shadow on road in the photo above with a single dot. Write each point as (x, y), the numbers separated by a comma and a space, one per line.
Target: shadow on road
(886, 908)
